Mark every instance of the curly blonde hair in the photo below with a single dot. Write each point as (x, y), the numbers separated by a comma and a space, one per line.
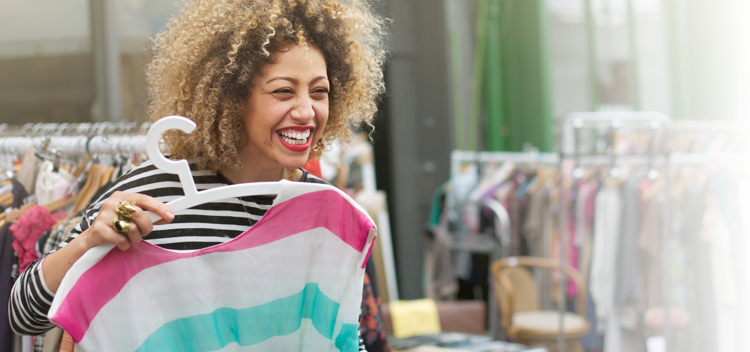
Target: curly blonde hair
(206, 58)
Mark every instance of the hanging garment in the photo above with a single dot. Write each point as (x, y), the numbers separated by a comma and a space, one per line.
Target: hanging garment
(291, 282)
(6, 261)
(628, 282)
(66, 345)
(440, 279)
(26, 232)
(60, 233)
(371, 326)
(51, 185)
(29, 171)
(650, 243)
(52, 340)
(6, 267)
(607, 223)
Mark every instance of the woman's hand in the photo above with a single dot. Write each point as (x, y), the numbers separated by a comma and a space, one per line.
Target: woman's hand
(101, 231)
(57, 264)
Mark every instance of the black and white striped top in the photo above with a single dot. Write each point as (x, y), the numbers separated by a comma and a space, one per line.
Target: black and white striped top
(199, 227)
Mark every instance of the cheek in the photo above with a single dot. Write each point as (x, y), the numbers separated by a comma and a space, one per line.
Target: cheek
(322, 116)
(321, 112)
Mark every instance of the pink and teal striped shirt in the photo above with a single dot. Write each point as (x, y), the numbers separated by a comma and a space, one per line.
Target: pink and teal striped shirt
(293, 281)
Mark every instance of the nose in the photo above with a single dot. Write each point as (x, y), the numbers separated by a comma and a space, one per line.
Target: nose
(303, 112)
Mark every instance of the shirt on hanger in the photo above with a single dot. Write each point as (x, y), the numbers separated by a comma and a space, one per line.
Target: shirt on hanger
(29, 171)
(51, 185)
(293, 281)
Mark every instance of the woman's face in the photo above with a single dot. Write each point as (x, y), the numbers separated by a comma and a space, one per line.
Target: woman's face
(287, 109)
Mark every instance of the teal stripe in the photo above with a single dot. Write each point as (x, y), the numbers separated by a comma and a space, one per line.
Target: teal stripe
(213, 331)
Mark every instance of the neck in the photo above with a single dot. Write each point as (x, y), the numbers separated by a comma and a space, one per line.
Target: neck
(255, 168)
(251, 174)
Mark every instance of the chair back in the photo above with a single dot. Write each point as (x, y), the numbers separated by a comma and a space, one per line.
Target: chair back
(515, 288)
(523, 289)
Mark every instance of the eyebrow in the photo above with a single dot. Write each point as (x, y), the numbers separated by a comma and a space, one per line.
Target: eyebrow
(294, 80)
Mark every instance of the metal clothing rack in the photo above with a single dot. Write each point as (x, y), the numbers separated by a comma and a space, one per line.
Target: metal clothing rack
(494, 247)
(71, 139)
(570, 140)
(656, 158)
(75, 145)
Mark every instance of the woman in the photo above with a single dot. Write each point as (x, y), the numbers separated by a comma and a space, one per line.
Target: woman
(269, 83)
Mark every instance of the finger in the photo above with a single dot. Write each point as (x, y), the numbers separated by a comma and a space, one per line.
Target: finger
(148, 204)
(140, 220)
(122, 242)
(102, 232)
(135, 235)
(162, 222)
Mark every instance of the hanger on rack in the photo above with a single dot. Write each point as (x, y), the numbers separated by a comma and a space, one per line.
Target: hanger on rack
(60, 203)
(182, 169)
(93, 183)
(16, 213)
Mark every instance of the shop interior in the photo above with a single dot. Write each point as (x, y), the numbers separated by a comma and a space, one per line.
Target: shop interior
(544, 175)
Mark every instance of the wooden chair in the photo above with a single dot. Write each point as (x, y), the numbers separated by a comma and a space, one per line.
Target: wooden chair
(522, 318)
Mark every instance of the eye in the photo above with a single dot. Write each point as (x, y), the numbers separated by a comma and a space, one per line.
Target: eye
(319, 93)
(283, 91)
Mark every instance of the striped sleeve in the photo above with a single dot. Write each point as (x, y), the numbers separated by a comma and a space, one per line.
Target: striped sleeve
(30, 301)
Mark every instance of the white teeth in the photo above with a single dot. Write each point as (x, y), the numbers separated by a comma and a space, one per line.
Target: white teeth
(296, 138)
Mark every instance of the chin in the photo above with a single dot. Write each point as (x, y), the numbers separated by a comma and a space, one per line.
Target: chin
(294, 163)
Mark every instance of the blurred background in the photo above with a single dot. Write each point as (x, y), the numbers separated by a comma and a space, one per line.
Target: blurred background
(627, 117)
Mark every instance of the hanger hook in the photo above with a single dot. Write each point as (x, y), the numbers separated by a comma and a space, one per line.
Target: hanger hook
(179, 167)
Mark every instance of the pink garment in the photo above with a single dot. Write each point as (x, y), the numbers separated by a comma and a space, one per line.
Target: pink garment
(26, 232)
(571, 228)
(572, 258)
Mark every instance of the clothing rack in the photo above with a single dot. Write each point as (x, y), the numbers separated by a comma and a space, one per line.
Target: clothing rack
(657, 157)
(60, 129)
(73, 139)
(76, 145)
(571, 127)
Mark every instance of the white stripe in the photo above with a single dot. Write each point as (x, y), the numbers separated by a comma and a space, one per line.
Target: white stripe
(146, 174)
(170, 184)
(39, 272)
(38, 292)
(200, 225)
(230, 201)
(214, 239)
(268, 272)
(219, 213)
(24, 322)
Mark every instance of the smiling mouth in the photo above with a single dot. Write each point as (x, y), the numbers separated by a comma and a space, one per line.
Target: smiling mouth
(294, 137)
(295, 140)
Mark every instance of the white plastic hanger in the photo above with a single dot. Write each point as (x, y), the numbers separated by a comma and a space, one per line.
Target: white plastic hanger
(182, 169)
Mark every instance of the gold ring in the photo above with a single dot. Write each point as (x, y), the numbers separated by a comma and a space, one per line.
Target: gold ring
(125, 209)
(121, 225)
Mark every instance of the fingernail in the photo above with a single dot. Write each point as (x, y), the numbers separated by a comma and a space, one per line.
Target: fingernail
(170, 216)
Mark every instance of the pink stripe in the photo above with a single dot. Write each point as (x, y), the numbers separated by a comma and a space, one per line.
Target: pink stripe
(105, 279)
